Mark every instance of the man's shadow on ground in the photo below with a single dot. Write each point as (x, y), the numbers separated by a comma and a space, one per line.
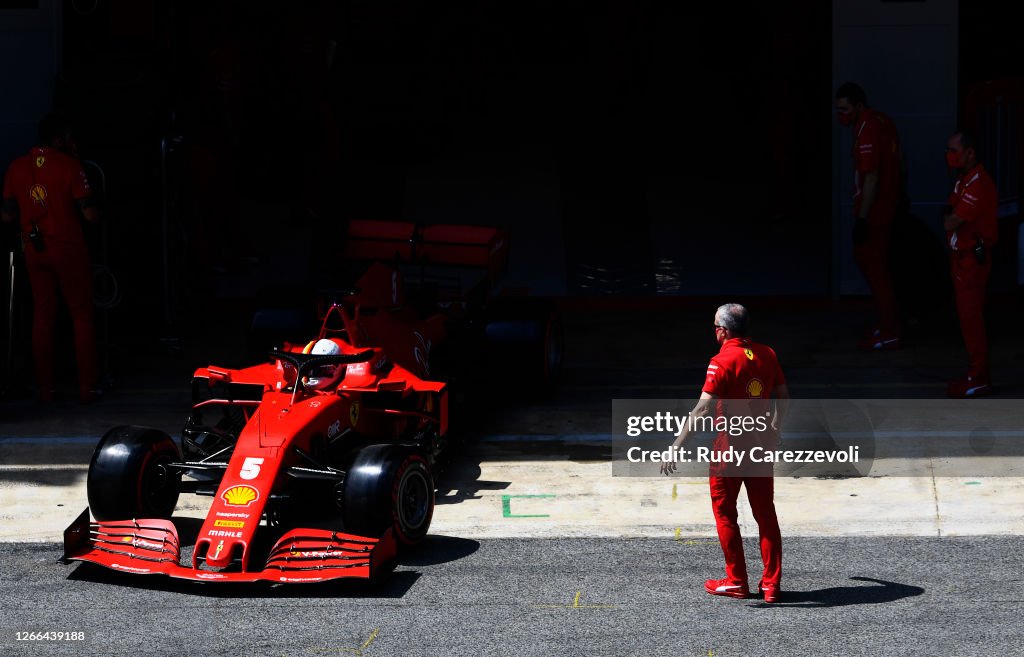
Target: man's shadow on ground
(840, 596)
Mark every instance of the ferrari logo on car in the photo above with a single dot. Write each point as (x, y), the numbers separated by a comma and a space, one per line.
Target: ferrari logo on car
(240, 495)
(353, 413)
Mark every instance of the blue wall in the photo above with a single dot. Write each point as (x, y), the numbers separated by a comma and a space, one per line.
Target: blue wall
(30, 56)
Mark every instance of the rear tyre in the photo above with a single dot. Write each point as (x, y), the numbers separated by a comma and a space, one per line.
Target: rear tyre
(389, 486)
(128, 477)
(525, 343)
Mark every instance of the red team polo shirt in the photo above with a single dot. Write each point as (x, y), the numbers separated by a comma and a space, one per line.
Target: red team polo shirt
(876, 145)
(976, 201)
(46, 183)
(744, 375)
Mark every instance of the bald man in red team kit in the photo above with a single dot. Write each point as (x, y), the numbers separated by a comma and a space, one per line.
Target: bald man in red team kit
(741, 380)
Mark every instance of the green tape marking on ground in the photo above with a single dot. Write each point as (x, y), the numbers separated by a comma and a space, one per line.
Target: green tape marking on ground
(506, 507)
(972, 483)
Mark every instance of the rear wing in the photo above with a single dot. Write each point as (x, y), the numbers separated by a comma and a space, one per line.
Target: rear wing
(405, 242)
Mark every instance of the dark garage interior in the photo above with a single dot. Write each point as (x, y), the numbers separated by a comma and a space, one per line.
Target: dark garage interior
(634, 150)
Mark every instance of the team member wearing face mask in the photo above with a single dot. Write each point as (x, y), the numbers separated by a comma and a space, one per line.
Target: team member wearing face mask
(878, 164)
(971, 225)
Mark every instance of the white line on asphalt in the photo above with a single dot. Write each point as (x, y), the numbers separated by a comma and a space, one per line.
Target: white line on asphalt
(56, 466)
(604, 437)
(49, 440)
(577, 438)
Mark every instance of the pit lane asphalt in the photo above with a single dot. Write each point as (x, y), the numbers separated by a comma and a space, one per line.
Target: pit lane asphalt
(586, 597)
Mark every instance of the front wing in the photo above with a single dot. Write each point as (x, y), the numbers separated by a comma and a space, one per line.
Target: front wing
(150, 546)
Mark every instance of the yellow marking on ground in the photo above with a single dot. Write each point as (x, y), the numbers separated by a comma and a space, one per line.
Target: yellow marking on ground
(575, 604)
(373, 636)
(356, 651)
(689, 541)
(675, 491)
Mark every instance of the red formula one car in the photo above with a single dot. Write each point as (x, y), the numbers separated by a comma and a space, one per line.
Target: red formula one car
(320, 461)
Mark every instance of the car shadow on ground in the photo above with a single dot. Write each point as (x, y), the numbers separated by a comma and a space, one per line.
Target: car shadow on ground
(841, 596)
(457, 475)
(436, 550)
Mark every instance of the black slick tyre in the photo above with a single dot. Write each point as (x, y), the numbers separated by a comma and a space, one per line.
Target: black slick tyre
(389, 486)
(127, 475)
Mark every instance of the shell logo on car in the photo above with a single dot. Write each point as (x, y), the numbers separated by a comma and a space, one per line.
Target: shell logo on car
(240, 495)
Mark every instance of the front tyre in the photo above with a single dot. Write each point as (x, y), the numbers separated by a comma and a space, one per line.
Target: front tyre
(389, 486)
(128, 477)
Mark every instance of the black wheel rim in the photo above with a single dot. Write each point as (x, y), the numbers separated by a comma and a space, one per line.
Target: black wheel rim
(414, 500)
(158, 487)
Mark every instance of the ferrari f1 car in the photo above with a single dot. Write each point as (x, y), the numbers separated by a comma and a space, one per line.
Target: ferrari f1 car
(320, 460)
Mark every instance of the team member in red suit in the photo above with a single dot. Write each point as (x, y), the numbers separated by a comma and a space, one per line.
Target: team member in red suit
(47, 193)
(741, 381)
(878, 164)
(971, 231)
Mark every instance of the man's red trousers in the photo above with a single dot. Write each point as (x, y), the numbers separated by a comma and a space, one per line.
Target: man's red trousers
(760, 494)
(61, 269)
(969, 280)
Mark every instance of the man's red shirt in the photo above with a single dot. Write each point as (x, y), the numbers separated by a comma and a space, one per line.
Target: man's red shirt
(976, 201)
(743, 369)
(744, 375)
(876, 145)
(46, 184)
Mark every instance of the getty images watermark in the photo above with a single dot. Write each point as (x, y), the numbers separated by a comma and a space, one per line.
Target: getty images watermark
(822, 438)
(747, 431)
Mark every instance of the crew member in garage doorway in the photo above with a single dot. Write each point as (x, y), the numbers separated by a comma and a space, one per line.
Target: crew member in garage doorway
(971, 224)
(46, 191)
(742, 379)
(878, 191)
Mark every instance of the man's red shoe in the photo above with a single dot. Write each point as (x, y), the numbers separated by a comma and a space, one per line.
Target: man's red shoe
(879, 342)
(726, 588)
(771, 593)
(969, 387)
